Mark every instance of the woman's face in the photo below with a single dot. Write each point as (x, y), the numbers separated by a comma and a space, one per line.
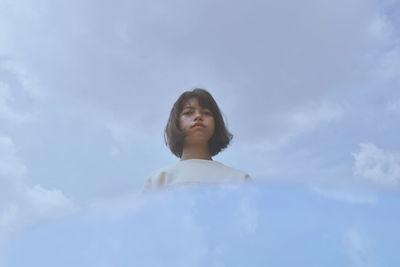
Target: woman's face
(196, 121)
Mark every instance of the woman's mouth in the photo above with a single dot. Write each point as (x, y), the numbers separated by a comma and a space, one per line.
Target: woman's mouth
(198, 125)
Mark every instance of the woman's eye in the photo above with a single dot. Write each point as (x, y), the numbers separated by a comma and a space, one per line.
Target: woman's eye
(208, 113)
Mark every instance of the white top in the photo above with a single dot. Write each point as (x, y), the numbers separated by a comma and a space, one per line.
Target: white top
(194, 171)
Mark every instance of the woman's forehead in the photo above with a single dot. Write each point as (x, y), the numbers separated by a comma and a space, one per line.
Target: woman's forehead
(192, 103)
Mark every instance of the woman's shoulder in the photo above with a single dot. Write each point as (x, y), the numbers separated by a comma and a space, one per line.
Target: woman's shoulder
(228, 168)
(157, 177)
(239, 173)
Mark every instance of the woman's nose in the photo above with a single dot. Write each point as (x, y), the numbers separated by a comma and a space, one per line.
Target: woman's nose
(198, 115)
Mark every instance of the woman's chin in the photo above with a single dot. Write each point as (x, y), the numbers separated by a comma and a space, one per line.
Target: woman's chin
(198, 137)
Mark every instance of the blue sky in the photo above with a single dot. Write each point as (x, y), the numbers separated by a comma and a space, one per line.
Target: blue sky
(310, 91)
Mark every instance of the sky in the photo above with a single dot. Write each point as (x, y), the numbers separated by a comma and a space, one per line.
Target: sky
(309, 89)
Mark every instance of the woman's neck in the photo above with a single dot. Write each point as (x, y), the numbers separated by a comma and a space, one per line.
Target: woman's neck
(195, 152)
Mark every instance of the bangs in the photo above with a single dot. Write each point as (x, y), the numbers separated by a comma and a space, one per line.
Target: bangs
(203, 99)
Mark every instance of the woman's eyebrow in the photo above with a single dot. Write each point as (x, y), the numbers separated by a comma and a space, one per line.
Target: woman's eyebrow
(191, 107)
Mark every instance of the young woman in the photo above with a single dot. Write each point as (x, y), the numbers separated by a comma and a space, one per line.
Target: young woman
(195, 132)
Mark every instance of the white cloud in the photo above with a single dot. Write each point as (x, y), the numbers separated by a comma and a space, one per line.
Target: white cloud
(7, 113)
(21, 204)
(48, 203)
(377, 165)
(18, 93)
(10, 164)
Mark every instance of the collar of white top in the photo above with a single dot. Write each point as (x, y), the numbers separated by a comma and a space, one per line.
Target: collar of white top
(199, 160)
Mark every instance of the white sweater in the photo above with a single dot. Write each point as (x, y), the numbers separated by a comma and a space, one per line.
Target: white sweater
(194, 171)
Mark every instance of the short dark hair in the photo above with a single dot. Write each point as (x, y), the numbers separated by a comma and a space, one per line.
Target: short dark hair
(173, 136)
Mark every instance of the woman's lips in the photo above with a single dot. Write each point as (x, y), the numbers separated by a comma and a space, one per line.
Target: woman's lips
(198, 125)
